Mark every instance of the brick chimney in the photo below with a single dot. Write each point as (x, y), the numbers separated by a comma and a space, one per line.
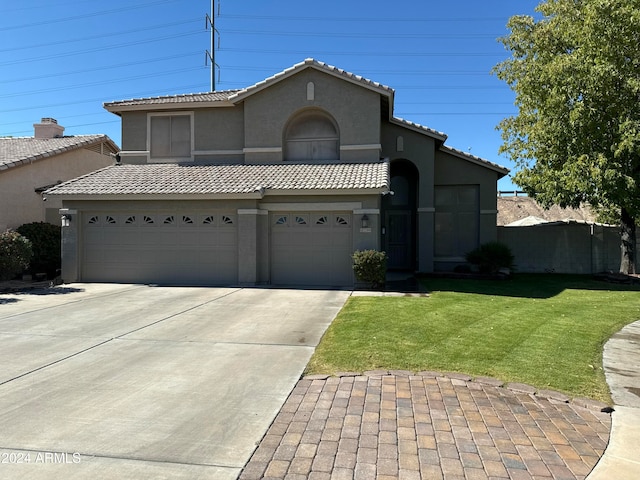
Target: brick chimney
(48, 128)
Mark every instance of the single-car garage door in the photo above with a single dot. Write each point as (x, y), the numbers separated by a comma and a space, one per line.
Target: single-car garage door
(183, 248)
(311, 248)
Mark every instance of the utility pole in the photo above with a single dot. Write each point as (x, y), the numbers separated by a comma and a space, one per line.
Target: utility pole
(210, 21)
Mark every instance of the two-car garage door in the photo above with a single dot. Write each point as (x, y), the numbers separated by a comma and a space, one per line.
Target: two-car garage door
(182, 248)
(201, 248)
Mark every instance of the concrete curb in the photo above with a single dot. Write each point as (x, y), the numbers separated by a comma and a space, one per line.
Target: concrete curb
(621, 360)
(550, 395)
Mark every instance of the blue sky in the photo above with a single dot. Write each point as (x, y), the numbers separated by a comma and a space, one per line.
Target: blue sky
(65, 59)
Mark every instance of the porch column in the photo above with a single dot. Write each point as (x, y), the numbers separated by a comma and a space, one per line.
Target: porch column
(251, 246)
(69, 249)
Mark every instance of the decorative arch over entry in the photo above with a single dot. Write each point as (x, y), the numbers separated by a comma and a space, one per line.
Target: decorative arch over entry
(311, 135)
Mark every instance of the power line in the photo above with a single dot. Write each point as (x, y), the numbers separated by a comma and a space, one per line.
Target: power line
(94, 69)
(387, 36)
(94, 37)
(103, 82)
(356, 54)
(100, 49)
(86, 15)
(381, 19)
(100, 100)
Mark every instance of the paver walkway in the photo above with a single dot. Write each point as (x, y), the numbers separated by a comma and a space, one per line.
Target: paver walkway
(390, 425)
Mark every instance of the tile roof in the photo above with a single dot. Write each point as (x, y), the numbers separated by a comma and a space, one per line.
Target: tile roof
(204, 97)
(419, 128)
(166, 179)
(22, 150)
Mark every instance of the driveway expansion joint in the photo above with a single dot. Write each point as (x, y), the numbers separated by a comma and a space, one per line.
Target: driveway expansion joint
(55, 362)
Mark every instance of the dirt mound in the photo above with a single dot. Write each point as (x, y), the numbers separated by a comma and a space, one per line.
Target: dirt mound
(515, 208)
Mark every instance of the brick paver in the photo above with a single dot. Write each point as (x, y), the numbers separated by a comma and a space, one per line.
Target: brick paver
(399, 425)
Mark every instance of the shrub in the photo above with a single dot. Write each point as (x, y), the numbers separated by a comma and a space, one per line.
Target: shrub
(491, 257)
(370, 266)
(45, 239)
(15, 253)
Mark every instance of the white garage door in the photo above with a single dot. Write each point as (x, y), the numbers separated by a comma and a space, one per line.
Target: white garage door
(311, 248)
(183, 248)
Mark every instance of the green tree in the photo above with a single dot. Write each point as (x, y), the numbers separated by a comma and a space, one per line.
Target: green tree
(575, 70)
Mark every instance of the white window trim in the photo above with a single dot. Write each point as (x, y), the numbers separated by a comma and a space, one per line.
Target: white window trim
(192, 134)
(262, 150)
(370, 146)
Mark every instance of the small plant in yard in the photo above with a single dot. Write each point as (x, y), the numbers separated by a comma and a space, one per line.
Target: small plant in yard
(370, 266)
(491, 257)
(15, 253)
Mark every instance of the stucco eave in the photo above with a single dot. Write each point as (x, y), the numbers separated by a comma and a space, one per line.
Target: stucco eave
(117, 109)
(326, 192)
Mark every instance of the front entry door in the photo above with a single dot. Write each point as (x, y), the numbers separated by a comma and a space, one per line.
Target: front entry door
(398, 240)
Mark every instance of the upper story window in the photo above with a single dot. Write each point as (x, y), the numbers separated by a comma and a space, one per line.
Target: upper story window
(170, 137)
(312, 135)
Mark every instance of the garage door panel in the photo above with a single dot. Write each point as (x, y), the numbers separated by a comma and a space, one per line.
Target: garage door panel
(178, 248)
(162, 238)
(311, 248)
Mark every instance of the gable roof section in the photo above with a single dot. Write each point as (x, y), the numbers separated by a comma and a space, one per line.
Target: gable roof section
(231, 97)
(315, 64)
(164, 181)
(502, 171)
(24, 150)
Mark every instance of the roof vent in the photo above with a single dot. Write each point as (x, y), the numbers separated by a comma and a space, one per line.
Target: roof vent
(48, 128)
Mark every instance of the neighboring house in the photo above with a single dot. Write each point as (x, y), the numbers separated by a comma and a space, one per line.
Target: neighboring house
(30, 165)
(277, 183)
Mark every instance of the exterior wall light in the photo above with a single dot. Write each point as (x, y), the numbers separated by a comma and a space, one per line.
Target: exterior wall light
(66, 220)
(364, 221)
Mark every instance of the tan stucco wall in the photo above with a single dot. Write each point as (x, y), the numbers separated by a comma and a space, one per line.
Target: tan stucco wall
(419, 149)
(219, 129)
(134, 131)
(451, 170)
(267, 112)
(20, 203)
(260, 120)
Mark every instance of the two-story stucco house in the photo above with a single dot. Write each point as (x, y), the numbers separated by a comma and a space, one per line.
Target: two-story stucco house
(30, 165)
(277, 183)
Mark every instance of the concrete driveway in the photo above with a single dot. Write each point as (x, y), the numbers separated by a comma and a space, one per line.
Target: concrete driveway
(132, 381)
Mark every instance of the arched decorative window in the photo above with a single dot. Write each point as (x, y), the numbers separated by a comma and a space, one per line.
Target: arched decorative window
(311, 135)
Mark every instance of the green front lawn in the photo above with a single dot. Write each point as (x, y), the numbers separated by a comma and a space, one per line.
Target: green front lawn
(544, 330)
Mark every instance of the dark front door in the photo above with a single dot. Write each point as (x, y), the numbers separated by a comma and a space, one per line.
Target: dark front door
(398, 239)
